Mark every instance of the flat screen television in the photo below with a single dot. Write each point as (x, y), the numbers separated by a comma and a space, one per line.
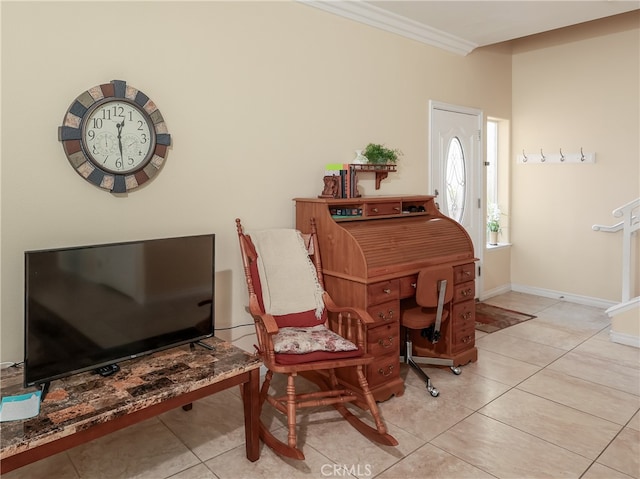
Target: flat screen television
(89, 307)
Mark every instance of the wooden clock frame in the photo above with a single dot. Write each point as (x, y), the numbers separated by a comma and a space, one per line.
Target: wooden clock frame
(70, 134)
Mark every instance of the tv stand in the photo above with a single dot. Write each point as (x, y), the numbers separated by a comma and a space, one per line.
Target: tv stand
(149, 386)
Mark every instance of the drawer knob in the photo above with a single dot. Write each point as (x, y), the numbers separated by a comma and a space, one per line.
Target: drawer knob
(388, 372)
(466, 292)
(466, 315)
(387, 291)
(414, 285)
(466, 339)
(381, 315)
(375, 210)
(386, 343)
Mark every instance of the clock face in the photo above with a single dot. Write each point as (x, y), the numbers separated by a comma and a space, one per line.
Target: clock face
(115, 137)
(118, 136)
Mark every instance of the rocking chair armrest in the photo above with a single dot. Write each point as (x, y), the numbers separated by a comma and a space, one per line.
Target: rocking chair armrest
(270, 325)
(266, 329)
(357, 313)
(350, 322)
(267, 320)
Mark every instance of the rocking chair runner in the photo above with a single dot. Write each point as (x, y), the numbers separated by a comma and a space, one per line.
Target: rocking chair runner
(315, 350)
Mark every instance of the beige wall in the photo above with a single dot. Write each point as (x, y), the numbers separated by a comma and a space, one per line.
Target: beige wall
(257, 98)
(575, 88)
(496, 272)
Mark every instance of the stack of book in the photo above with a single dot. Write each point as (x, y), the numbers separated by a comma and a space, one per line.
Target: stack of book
(346, 178)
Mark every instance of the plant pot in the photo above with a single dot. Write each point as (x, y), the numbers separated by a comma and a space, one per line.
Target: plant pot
(493, 237)
(360, 158)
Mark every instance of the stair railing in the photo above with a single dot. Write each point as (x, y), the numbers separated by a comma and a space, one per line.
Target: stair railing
(630, 214)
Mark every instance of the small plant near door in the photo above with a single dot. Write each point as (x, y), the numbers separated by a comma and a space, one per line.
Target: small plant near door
(493, 223)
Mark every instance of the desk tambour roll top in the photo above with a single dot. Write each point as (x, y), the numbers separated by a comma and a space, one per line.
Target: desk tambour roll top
(366, 238)
(372, 250)
(398, 244)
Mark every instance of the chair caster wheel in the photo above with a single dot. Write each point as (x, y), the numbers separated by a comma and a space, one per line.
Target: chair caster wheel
(456, 370)
(433, 391)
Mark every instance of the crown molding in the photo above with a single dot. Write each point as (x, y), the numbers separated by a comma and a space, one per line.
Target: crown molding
(377, 17)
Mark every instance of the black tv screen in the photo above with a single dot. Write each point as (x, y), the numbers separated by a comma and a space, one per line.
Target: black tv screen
(93, 306)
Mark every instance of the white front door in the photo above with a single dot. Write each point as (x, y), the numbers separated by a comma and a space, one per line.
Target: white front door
(455, 168)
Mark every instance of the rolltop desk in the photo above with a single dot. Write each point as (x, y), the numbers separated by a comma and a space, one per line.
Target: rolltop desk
(372, 250)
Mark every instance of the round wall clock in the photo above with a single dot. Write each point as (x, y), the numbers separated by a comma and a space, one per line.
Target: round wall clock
(115, 137)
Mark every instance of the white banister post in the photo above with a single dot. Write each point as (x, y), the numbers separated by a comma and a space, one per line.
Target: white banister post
(628, 228)
(626, 258)
(628, 225)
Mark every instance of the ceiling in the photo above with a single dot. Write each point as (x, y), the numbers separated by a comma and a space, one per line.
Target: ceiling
(461, 26)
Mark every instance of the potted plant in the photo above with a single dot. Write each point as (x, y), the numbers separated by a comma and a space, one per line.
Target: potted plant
(493, 223)
(380, 155)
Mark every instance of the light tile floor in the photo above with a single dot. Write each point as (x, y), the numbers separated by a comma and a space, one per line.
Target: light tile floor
(552, 397)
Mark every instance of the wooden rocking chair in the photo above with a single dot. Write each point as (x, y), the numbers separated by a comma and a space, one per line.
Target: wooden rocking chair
(315, 348)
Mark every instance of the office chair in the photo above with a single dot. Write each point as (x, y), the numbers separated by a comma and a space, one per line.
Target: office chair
(434, 292)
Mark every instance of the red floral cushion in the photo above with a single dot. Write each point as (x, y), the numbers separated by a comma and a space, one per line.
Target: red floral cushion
(318, 343)
(289, 359)
(309, 340)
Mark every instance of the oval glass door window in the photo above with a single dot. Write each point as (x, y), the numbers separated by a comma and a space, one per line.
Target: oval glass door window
(455, 180)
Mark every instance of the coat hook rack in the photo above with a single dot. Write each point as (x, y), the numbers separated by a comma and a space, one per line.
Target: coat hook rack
(560, 158)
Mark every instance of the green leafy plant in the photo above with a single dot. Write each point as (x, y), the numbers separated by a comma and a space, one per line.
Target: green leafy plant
(379, 155)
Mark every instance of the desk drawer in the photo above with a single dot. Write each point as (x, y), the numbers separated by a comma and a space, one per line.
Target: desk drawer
(463, 339)
(384, 339)
(383, 291)
(383, 369)
(408, 286)
(463, 323)
(463, 313)
(389, 311)
(464, 272)
(380, 209)
(464, 292)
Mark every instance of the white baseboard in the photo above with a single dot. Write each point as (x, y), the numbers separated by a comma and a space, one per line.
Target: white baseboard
(505, 288)
(623, 338)
(548, 293)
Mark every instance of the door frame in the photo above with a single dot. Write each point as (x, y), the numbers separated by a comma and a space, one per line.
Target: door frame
(477, 177)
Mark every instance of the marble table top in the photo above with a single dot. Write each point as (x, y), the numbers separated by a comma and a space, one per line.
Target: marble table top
(78, 402)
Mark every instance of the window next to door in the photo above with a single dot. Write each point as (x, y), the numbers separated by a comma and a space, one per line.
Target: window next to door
(497, 178)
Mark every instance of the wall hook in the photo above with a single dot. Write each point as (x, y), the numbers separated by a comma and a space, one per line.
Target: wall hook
(542, 157)
(524, 157)
(562, 158)
(582, 158)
